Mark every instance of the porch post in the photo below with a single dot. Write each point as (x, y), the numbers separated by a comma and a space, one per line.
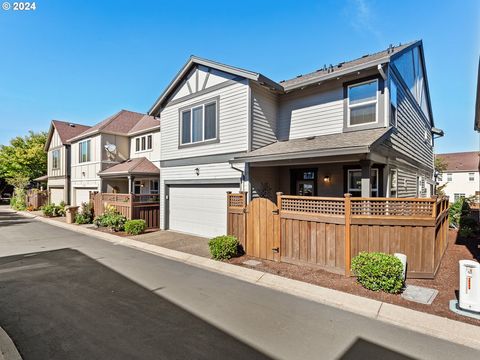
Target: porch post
(130, 184)
(366, 178)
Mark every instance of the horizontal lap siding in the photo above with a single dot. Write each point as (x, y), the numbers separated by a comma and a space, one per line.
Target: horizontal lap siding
(264, 116)
(311, 113)
(313, 243)
(233, 121)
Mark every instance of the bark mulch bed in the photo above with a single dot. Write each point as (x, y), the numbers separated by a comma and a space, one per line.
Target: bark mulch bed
(446, 280)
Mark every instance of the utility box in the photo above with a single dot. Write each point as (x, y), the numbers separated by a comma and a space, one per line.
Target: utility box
(469, 290)
(70, 214)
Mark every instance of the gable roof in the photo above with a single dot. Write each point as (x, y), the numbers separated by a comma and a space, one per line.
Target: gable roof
(146, 123)
(65, 130)
(119, 124)
(461, 161)
(136, 166)
(195, 60)
(354, 142)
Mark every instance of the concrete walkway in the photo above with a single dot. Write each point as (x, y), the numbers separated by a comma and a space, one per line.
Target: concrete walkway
(247, 316)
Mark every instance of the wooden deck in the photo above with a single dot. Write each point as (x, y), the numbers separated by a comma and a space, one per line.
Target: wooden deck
(329, 232)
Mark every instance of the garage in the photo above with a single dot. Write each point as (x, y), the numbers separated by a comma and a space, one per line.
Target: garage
(82, 195)
(56, 195)
(199, 209)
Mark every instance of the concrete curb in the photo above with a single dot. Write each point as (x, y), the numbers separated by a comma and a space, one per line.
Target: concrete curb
(8, 350)
(443, 328)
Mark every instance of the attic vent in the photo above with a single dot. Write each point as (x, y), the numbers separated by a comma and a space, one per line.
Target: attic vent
(71, 125)
(298, 76)
(310, 138)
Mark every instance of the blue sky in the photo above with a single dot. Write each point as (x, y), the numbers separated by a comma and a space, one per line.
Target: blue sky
(84, 60)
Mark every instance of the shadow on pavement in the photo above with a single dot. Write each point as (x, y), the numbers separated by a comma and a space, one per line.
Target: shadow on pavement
(363, 349)
(64, 305)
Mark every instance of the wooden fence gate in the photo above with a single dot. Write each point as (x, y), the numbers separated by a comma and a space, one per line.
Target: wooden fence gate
(262, 240)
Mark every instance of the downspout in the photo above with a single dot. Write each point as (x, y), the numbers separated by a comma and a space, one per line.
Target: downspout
(242, 176)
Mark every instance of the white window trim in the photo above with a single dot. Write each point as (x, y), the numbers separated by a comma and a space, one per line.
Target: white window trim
(190, 109)
(449, 177)
(89, 152)
(471, 176)
(362, 103)
(139, 138)
(359, 190)
(56, 166)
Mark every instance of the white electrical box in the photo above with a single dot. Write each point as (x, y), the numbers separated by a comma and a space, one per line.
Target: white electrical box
(469, 291)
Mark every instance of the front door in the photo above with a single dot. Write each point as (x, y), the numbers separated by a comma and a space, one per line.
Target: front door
(305, 187)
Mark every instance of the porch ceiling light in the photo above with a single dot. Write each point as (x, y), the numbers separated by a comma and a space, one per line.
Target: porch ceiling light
(197, 171)
(326, 179)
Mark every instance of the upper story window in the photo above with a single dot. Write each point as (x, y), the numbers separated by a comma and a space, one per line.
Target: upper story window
(449, 176)
(362, 103)
(471, 176)
(143, 143)
(199, 124)
(55, 159)
(393, 103)
(84, 151)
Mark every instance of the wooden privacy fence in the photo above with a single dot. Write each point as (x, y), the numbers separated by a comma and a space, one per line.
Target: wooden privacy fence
(327, 232)
(132, 206)
(36, 198)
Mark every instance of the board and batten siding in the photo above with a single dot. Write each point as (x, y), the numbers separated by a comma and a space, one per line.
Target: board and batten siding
(311, 112)
(207, 173)
(56, 144)
(413, 133)
(232, 128)
(85, 174)
(264, 116)
(154, 154)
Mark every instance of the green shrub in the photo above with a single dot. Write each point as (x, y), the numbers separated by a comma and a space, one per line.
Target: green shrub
(111, 219)
(378, 271)
(18, 201)
(85, 215)
(458, 210)
(135, 227)
(52, 210)
(223, 247)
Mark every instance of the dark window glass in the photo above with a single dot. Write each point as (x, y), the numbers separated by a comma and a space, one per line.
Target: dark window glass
(149, 141)
(363, 114)
(137, 144)
(210, 121)
(197, 124)
(186, 138)
(143, 143)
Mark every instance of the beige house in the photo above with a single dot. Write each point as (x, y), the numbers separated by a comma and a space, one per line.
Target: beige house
(59, 159)
(363, 126)
(119, 154)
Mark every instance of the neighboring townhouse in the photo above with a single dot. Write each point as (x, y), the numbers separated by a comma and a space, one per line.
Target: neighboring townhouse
(461, 176)
(59, 159)
(363, 126)
(117, 155)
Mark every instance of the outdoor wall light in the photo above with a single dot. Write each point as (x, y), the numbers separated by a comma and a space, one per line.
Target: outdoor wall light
(197, 171)
(326, 179)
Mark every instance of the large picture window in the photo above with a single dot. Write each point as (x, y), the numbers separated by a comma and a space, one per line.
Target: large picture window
(55, 159)
(362, 103)
(84, 151)
(198, 124)
(355, 182)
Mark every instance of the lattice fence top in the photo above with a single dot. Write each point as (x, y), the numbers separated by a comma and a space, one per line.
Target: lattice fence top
(392, 207)
(313, 205)
(236, 200)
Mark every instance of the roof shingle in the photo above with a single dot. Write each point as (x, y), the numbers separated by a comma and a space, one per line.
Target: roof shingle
(461, 161)
(136, 166)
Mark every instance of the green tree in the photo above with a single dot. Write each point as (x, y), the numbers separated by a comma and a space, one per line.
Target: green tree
(25, 157)
(440, 167)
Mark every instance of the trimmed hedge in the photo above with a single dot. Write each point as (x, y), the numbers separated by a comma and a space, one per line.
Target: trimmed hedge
(378, 272)
(223, 247)
(135, 227)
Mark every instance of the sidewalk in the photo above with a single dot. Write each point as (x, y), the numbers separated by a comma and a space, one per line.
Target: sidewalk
(443, 328)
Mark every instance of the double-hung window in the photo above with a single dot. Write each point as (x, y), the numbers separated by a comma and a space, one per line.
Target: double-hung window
(55, 159)
(198, 124)
(471, 176)
(449, 176)
(143, 143)
(84, 151)
(362, 103)
(355, 182)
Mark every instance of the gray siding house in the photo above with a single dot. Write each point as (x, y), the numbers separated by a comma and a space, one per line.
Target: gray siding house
(362, 126)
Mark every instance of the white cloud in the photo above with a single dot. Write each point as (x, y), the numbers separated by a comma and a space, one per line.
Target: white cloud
(362, 18)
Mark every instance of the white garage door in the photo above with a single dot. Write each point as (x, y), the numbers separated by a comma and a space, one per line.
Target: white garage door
(56, 195)
(199, 210)
(82, 195)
